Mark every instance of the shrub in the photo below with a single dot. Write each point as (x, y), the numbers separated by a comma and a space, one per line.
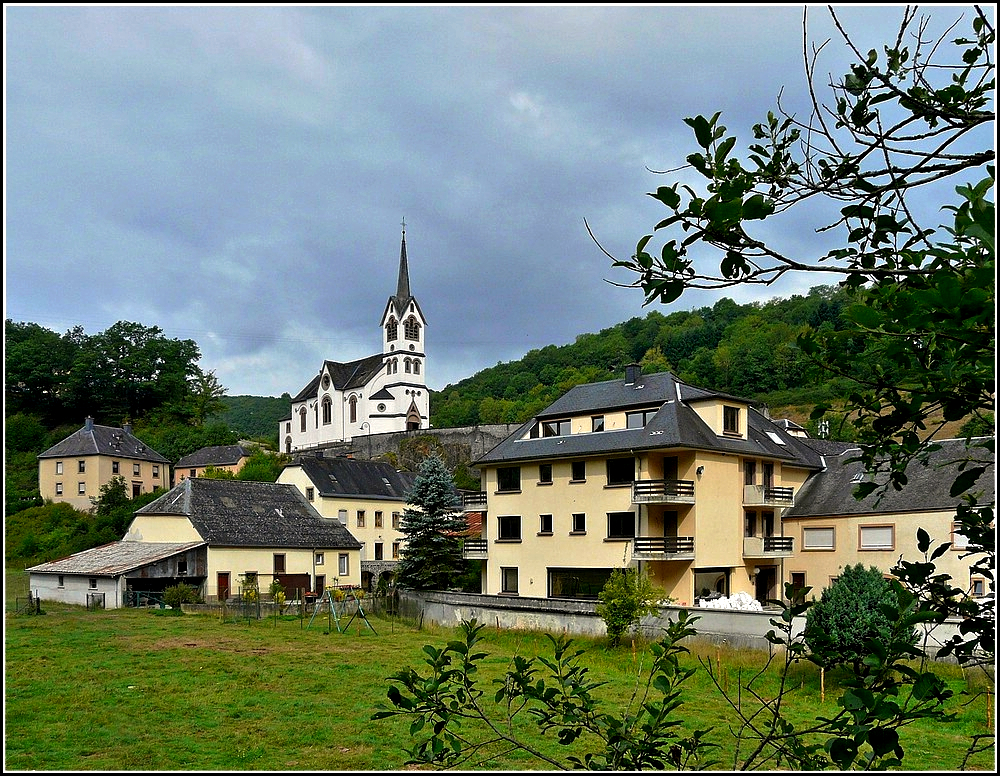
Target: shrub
(626, 598)
(181, 594)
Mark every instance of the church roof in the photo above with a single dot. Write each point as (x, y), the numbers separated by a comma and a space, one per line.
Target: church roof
(345, 376)
(93, 439)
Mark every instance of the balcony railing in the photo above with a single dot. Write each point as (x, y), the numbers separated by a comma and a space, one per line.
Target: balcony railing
(475, 549)
(767, 546)
(663, 492)
(768, 496)
(474, 502)
(663, 547)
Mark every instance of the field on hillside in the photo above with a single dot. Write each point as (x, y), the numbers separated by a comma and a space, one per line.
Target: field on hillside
(146, 690)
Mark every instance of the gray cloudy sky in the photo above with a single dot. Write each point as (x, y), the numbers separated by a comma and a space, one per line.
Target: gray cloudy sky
(237, 175)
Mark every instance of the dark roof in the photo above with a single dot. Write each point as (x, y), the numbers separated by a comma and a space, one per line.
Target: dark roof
(345, 376)
(114, 442)
(338, 476)
(237, 513)
(114, 559)
(218, 455)
(675, 424)
(831, 491)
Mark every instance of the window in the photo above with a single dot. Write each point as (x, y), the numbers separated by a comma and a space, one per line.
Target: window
(61, 581)
(81, 466)
(551, 428)
(977, 587)
(749, 472)
(508, 581)
(59, 467)
(579, 471)
(411, 329)
(621, 471)
(545, 474)
(395, 550)
(58, 488)
(136, 469)
(509, 528)
(406, 365)
(302, 419)
(416, 367)
(327, 410)
(378, 519)
(136, 489)
(395, 520)
(182, 568)
(749, 523)
(958, 540)
(353, 409)
(508, 478)
(597, 423)
(311, 494)
(343, 564)
(93, 583)
(621, 525)
(818, 538)
(193, 473)
(81, 488)
(288, 428)
(545, 524)
(798, 584)
(361, 518)
(639, 418)
(342, 516)
(378, 551)
(876, 537)
(279, 563)
(391, 330)
(731, 420)
(319, 558)
(114, 467)
(156, 472)
(579, 523)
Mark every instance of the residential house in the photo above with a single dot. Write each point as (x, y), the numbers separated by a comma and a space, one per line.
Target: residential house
(366, 497)
(687, 484)
(254, 533)
(230, 458)
(833, 529)
(377, 394)
(75, 469)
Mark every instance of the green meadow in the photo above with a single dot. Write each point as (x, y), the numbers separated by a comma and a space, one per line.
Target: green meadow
(149, 690)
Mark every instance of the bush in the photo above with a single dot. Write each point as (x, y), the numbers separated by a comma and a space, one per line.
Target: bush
(626, 598)
(848, 614)
(181, 594)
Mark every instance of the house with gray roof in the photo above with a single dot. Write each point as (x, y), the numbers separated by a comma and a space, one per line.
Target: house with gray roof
(229, 458)
(75, 469)
(367, 497)
(224, 537)
(687, 484)
(833, 529)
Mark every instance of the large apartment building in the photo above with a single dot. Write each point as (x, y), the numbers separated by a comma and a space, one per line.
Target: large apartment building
(695, 487)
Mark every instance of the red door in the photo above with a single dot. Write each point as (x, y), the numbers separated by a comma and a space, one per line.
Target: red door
(223, 585)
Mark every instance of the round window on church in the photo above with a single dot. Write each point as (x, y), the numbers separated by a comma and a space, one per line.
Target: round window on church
(381, 408)
(326, 382)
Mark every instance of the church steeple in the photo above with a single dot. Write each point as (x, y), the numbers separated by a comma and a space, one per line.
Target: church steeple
(403, 284)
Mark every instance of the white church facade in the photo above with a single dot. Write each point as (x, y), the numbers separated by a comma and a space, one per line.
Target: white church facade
(377, 394)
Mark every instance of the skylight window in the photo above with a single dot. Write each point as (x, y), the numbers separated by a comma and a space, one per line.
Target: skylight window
(775, 438)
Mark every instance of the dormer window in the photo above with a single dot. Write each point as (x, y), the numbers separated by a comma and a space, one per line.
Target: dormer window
(639, 418)
(550, 428)
(731, 420)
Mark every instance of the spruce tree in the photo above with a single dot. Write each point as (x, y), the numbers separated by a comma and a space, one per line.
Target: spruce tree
(431, 558)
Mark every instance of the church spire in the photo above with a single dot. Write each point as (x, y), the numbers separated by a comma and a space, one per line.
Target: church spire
(403, 284)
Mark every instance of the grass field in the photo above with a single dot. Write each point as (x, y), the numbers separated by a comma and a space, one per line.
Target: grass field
(142, 690)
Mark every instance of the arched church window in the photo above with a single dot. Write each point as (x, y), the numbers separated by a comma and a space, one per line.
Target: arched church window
(327, 411)
(288, 444)
(302, 419)
(406, 365)
(412, 328)
(391, 330)
(416, 366)
(354, 409)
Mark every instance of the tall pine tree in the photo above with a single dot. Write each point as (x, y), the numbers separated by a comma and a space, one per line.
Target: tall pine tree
(432, 521)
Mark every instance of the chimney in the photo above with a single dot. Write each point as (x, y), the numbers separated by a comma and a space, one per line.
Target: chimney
(632, 374)
(88, 424)
(127, 428)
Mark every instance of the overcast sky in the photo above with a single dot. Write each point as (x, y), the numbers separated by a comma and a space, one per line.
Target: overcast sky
(238, 175)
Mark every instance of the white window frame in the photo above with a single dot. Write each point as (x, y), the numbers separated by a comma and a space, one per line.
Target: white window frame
(876, 537)
(815, 532)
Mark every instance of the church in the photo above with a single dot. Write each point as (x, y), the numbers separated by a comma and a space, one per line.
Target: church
(377, 394)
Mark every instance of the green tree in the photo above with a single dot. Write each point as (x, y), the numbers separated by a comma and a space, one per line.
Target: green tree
(431, 558)
(849, 615)
(263, 466)
(627, 597)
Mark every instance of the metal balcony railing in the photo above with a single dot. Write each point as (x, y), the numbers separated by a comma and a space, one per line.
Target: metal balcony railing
(474, 502)
(768, 495)
(663, 492)
(663, 546)
(475, 548)
(767, 546)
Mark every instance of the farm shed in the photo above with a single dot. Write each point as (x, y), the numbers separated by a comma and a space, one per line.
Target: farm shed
(115, 575)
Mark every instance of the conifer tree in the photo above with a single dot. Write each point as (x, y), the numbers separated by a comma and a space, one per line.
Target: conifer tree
(431, 558)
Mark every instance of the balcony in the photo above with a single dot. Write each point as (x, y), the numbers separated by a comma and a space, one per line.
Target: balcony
(663, 548)
(475, 549)
(474, 502)
(767, 546)
(663, 492)
(767, 496)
